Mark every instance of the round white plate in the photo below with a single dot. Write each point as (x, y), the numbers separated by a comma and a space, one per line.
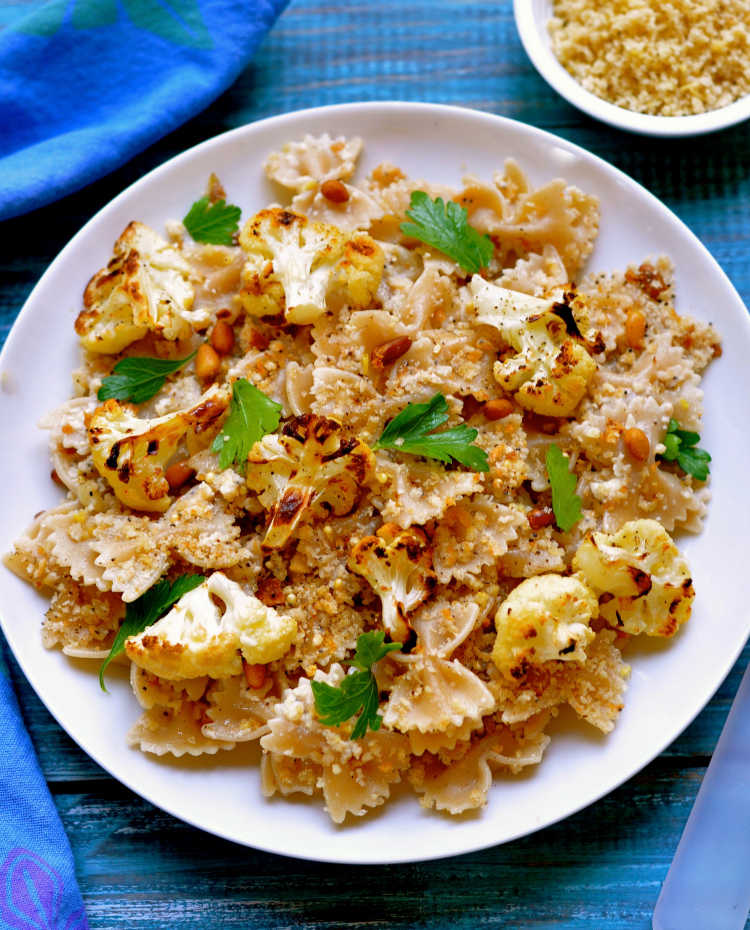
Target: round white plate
(532, 17)
(671, 681)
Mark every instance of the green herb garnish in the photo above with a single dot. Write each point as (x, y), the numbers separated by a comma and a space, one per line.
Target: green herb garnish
(146, 610)
(252, 416)
(214, 223)
(139, 379)
(410, 431)
(566, 504)
(358, 691)
(446, 226)
(681, 444)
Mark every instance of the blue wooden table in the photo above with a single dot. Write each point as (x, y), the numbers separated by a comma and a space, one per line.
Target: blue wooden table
(601, 868)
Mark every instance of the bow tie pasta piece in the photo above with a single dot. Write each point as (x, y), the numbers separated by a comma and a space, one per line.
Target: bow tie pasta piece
(643, 572)
(132, 453)
(398, 565)
(293, 265)
(551, 369)
(145, 287)
(544, 618)
(308, 470)
(197, 637)
(300, 166)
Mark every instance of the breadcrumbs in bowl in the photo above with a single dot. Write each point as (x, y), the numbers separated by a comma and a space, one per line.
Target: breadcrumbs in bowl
(659, 69)
(666, 59)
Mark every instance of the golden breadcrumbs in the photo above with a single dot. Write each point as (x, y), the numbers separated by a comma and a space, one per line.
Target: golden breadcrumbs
(673, 58)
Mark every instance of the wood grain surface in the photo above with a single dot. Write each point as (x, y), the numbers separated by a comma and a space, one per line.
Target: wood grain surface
(602, 868)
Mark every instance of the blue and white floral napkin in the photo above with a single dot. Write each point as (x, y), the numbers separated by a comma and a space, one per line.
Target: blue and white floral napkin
(87, 84)
(38, 889)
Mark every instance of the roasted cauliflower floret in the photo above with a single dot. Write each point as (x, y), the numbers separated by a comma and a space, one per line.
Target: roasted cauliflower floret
(144, 287)
(643, 572)
(551, 368)
(545, 618)
(309, 469)
(293, 265)
(198, 637)
(132, 453)
(398, 565)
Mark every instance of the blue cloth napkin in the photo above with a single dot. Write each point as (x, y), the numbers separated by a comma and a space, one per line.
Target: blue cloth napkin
(38, 889)
(87, 84)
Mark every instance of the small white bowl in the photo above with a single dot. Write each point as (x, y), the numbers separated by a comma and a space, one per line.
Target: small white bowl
(532, 17)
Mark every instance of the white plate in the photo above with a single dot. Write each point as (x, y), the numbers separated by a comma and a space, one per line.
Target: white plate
(671, 681)
(532, 17)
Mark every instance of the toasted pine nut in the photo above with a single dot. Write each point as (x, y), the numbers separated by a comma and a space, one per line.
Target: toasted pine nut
(635, 328)
(389, 351)
(497, 409)
(637, 443)
(540, 518)
(255, 674)
(334, 191)
(206, 362)
(178, 474)
(222, 337)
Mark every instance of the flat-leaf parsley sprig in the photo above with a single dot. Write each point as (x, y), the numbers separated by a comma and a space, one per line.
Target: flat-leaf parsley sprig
(252, 416)
(145, 610)
(411, 431)
(566, 504)
(446, 227)
(358, 691)
(139, 379)
(682, 446)
(213, 223)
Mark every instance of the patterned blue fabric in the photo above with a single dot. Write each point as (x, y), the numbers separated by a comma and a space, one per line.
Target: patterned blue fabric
(38, 889)
(87, 84)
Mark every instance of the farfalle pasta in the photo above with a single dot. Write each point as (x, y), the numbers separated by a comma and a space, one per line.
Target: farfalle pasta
(499, 617)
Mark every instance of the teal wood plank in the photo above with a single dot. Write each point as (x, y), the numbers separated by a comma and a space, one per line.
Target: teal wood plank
(601, 868)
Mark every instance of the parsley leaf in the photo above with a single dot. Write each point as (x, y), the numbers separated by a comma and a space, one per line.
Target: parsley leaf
(410, 431)
(358, 692)
(682, 445)
(212, 222)
(566, 504)
(139, 379)
(446, 226)
(146, 610)
(252, 416)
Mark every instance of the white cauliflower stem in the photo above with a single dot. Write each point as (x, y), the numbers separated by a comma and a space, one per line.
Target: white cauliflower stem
(144, 288)
(310, 469)
(197, 637)
(641, 578)
(132, 453)
(398, 565)
(293, 265)
(545, 618)
(551, 369)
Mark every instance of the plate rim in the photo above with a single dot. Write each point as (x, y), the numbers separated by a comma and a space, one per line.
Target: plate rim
(221, 139)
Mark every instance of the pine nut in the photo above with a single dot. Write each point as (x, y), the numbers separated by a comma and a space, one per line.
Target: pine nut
(540, 518)
(497, 409)
(637, 443)
(388, 352)
(222, 337)
(178, 474)
(635, 329)
(334, 191)
(255, 674)
(206, 362)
